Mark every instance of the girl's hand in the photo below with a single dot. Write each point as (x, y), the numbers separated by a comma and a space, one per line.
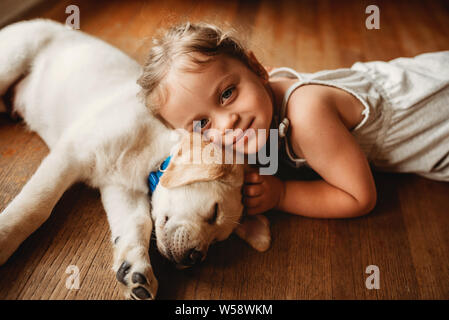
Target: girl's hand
(261, 192)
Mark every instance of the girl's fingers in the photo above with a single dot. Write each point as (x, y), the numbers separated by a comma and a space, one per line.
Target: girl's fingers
(251, 202)
(253, 190)
(252, 177)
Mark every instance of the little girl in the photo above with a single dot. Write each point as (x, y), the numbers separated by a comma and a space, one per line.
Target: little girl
(392, 115)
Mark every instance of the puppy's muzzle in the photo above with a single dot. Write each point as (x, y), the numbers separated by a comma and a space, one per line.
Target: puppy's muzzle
(182, 249)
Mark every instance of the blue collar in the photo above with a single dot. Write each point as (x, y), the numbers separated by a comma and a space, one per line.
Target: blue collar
(154, 176)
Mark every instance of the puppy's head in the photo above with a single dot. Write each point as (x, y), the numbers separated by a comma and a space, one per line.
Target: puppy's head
(198, 201)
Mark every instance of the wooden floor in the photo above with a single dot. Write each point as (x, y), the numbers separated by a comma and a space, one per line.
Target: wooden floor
(406, 236)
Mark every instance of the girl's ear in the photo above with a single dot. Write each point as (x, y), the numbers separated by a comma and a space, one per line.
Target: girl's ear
(257, 67)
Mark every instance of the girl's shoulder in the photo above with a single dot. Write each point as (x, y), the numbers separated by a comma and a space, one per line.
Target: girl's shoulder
(349, 107)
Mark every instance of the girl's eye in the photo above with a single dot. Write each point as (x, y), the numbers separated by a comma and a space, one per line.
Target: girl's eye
(227, 94)
(201, 124)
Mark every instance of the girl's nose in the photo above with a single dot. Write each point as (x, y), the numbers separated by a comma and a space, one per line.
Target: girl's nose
(225, 121)
(225, 125)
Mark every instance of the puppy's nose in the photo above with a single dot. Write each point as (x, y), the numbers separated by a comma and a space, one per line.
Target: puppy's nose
(192, 257)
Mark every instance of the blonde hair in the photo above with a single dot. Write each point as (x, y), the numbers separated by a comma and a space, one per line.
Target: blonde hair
(186, 40)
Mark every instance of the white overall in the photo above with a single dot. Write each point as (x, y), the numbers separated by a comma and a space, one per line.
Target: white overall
(406, 112)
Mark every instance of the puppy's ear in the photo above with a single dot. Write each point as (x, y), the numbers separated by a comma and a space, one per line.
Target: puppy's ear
(180, 174)
(184, 169)
(256, 231)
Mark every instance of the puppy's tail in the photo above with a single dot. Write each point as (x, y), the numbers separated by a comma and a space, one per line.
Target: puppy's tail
(20, 43)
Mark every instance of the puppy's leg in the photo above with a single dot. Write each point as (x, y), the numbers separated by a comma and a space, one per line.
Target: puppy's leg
(131, 225)
(33, 205)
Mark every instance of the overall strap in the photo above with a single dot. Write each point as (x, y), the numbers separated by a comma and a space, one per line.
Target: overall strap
(284, 123)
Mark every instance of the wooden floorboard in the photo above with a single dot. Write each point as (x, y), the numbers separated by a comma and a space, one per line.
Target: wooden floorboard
(406, 235)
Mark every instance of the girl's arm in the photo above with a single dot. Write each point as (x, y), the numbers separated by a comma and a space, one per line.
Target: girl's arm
(347, 189)
(319, 199)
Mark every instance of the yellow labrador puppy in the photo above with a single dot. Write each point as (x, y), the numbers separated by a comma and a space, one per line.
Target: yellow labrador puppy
(187, 183)
(80, 95)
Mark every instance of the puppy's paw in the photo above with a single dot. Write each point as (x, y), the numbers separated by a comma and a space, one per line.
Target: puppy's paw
(139, 284)
(134, 272)
(256, 231)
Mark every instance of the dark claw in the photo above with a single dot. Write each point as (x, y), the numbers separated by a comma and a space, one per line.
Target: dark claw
(122, 272)
(139, 278)
(116, 240)
(141, 293)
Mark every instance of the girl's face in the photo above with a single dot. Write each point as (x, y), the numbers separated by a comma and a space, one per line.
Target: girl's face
(225, 94)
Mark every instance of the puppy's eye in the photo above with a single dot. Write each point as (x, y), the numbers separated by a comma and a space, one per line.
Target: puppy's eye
(213, 218)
